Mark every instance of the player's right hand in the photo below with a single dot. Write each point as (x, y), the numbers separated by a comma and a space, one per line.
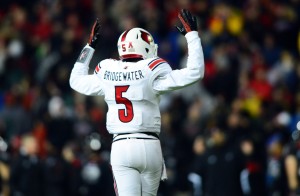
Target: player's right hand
(95, 34)
(188, 21)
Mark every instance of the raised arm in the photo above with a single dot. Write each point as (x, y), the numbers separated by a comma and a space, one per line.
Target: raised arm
(168, 79)
(80, 80)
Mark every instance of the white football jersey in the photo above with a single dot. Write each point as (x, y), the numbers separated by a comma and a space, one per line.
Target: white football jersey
(128, 92)
(132, 89)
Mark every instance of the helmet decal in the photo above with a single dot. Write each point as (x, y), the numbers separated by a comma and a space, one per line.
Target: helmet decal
(124, 36)
(146, 37)
(130, 47)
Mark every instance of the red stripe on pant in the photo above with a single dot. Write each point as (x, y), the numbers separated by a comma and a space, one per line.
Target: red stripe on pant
(115, 186)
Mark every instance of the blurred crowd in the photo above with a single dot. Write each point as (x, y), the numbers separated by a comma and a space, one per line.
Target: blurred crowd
(228, 134)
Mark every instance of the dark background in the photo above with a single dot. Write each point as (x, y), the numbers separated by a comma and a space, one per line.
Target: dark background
(228, 134)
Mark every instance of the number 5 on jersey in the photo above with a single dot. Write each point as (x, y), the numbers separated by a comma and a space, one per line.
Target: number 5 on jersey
(125, 115)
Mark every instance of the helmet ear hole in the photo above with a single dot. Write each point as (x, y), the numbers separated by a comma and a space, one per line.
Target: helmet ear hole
(147, 50)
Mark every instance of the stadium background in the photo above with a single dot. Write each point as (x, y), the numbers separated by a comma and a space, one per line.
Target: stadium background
(229, 134)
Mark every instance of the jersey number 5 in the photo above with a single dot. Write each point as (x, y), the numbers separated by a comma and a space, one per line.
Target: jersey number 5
(125, 115)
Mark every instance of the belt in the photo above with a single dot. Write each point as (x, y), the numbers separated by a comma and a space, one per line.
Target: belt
(133, 137)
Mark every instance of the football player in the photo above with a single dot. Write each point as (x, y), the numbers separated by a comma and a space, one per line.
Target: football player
(131, 88)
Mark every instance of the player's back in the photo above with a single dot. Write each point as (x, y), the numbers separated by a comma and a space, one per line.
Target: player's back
(132, 103)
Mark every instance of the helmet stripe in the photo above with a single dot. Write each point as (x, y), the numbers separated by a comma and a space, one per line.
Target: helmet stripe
(124, 36)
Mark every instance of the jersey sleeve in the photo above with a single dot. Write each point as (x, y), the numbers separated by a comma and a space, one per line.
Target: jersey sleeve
(80, 80)
(166, 79)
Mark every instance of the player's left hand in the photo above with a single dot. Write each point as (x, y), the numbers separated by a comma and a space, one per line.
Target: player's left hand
(95, 34)
(188, 21)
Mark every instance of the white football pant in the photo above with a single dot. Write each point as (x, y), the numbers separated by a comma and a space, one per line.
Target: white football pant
(137, 166)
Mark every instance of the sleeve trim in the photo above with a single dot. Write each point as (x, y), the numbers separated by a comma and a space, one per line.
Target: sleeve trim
(155, 63)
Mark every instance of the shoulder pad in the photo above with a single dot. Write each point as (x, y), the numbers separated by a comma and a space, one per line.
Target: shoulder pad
(103, 64)
(153, 64)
